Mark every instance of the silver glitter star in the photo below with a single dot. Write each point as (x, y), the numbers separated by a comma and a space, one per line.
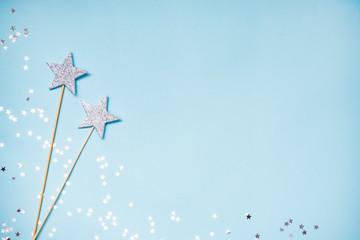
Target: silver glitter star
(65, 74)
(97, 116)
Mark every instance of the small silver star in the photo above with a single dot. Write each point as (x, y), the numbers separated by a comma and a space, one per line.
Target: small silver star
(65, 74)
(97, 116)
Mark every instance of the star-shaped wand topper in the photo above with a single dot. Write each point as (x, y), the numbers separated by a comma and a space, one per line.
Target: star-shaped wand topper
(65, 74)
(98, 116)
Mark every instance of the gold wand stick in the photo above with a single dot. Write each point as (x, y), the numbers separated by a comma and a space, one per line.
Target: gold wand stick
(48, 162)
(63, 185)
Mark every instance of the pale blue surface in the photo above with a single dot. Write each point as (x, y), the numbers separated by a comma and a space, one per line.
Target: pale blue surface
(227, 107)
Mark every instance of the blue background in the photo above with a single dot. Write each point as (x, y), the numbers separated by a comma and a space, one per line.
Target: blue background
(227, 107)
